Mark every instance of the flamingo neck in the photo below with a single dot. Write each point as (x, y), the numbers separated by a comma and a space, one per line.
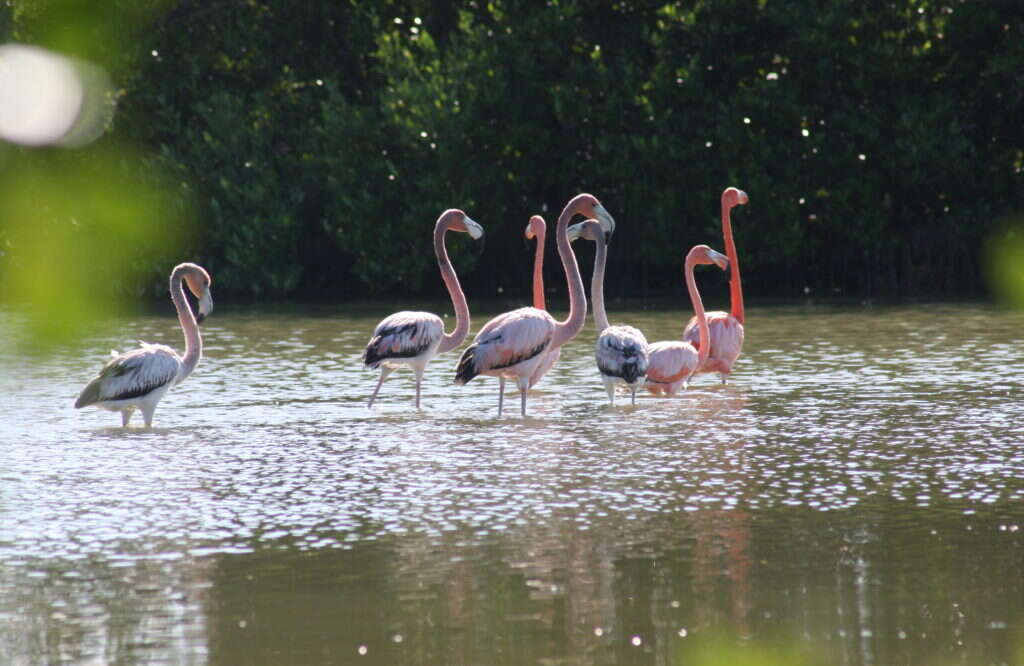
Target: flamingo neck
(538, 271)
(451, 340)
(568, 329)
(735, 287)
(597, 287)
(704, 348)
(193, 341)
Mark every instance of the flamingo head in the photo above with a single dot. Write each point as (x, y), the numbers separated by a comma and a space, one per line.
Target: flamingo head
(734, 197)
(702, 254)
(456, 220)
(588, 206)
(590, 229)
(198, 281)
(536, 228)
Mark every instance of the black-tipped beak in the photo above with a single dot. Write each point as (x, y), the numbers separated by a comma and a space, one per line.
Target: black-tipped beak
(200, 317)
(480, 246)
(608, 237)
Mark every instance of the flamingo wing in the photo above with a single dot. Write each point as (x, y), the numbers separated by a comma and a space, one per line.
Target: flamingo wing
(671, 361)
(403, 335)
(550, 358)
(132, 375)
(622, 353)
(726, 335)
(506, 341)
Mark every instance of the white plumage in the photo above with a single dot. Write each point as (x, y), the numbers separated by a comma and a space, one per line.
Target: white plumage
(138, 379)
(621, 350)
(622, 359)
(404, 338)
(134, 380)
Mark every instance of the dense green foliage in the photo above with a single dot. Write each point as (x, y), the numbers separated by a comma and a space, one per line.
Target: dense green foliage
(878, 141)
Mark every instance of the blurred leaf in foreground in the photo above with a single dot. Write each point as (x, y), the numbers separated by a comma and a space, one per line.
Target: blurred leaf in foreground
(78, 232)
(1005, 263)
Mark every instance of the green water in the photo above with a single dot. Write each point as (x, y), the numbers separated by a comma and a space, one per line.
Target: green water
(855, 495)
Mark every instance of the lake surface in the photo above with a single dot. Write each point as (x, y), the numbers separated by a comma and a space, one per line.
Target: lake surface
(854, 495)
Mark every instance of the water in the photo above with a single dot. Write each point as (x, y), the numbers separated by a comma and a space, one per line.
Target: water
(855, 495)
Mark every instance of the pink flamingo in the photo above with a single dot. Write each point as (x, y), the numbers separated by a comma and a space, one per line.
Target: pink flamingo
(726, 328)
(413, 338)
(621, 350)
(673, 362)
(514, 344)
(537, 228)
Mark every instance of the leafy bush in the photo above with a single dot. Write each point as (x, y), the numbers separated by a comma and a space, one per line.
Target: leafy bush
(877, 141)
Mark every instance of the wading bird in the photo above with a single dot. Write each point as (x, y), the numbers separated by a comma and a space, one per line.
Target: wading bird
(413, 338)
(621, 350)
(672, 363)
(513, 345)
(139, 378)
(726, 327)
(537, 228)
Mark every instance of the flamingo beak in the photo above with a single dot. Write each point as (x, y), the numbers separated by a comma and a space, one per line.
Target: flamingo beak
(719, 259)
(205, 306)
(605, 218)
(608, 237)
(574, 231)
(475, 231)
(743, 198)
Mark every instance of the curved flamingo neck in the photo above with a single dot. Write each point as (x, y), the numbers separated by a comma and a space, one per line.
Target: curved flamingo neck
(451, 340)
(573, 324)
(193, 341)
(597, 286)
(538, 269)
(735, 287)
(704, 349)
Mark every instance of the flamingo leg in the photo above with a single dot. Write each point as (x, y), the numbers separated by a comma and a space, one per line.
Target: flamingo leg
(126, 416)
(723, 375)
(633, 402)
(524, 386)
(609, 386)
(384, 372)
(419, 380)
(501, 393)
(147, 414)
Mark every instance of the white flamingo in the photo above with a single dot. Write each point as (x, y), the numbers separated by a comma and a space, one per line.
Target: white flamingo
(621, 350)
(139, 378)
(413, 338)
(673, 362)
(514, 344)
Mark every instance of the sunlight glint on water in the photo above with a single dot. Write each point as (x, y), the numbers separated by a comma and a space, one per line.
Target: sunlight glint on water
(844, 434)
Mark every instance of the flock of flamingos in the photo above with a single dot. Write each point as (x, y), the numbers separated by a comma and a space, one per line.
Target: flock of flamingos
(522, 344)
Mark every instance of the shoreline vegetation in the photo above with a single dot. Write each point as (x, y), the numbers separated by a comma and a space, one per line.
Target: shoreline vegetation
(305, 151)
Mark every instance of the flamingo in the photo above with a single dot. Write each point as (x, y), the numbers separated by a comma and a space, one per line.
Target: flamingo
(726, 328)
(673, 362)
(514, 344)
(139, 378)
(413, 338)
(621, 350)
(537, 228)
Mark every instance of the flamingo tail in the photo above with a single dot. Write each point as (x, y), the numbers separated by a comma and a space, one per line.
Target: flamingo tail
(466, 370)
(89, 395)
(372, 357)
